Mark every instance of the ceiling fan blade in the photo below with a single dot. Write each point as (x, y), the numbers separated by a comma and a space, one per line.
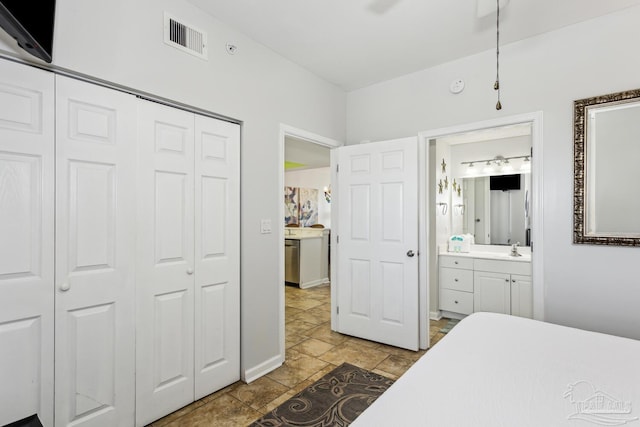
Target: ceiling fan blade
(381, 7)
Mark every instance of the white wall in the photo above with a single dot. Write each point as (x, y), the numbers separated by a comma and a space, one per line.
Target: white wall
(506, 147)
(318, 178)
(590, 287)
(121, 41)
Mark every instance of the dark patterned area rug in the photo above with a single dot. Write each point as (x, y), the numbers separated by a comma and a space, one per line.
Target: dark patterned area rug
(334, 400)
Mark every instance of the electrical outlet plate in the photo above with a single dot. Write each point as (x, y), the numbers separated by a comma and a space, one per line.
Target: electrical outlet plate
(265, 226)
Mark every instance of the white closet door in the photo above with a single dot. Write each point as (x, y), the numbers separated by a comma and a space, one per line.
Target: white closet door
(26, 243)
(217, 255)
(165, 318)
(95, 253)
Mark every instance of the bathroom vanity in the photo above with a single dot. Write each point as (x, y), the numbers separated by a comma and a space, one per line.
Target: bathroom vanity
(485, 281)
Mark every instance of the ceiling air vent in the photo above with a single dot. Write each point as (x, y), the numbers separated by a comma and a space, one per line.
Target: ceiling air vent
(185, 37)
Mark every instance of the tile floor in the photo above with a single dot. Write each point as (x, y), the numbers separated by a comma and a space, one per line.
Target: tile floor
(312, 350)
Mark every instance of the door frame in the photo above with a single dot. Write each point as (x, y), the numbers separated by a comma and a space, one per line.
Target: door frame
(535, 119)
(286, 130)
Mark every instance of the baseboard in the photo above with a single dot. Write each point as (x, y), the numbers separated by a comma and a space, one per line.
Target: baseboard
(451, 315)
(314, 283)
(252, 374)
(435, 315)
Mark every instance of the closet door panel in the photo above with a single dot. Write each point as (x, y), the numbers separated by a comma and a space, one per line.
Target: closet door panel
(95, 251)
(217, 307)
(164, 262)
(26, 242)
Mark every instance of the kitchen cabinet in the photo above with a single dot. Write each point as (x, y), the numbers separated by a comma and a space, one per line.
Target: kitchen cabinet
(306, 256)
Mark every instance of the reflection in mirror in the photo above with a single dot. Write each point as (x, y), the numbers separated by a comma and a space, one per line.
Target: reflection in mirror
(606, 155)
(499, 158)
(497, 209)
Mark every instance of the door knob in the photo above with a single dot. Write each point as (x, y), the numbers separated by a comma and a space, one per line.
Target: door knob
(189, 271)
(410, 254)
(65, 287)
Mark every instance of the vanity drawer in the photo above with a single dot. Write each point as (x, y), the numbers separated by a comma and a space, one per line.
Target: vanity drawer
(456, 262)
(499, 266)
(456, 301)
(456, 279)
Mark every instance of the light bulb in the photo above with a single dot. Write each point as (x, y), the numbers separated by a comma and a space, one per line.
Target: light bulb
(488, 168)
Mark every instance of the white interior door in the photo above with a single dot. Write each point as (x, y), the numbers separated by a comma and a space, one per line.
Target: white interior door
(378, 242)
(165, 262)
(26, 242)
(95, 255)
(217, 254)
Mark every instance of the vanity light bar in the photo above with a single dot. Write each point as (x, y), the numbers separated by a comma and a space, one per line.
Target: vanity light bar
(498, 160)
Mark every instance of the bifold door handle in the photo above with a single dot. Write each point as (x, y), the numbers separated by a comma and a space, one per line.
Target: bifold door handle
(65, 287)
(189, 271)
(410, 254)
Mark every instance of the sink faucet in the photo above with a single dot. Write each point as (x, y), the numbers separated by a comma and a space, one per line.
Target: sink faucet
(514, 250)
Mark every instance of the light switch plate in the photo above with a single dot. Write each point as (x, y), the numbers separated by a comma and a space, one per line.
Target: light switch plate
(265, 226)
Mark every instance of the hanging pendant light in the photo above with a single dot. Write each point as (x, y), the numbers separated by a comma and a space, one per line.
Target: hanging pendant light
(496, 85)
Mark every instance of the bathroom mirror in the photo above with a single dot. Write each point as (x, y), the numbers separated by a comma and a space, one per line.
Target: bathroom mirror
(607, 169)
(497, 217)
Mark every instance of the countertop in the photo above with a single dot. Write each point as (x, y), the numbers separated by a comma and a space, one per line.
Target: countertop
(301, 237)
(500, 256)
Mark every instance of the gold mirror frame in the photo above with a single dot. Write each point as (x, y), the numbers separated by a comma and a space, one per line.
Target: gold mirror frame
(579, 159)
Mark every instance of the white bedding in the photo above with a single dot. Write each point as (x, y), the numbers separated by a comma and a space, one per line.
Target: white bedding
(498, 370)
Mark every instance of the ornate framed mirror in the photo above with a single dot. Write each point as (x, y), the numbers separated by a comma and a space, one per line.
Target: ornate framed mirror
(606, 154)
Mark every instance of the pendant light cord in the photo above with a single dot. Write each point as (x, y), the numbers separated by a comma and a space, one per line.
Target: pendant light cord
(496, 86)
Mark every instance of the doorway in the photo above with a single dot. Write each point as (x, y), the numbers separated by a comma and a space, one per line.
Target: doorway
(432, 160)
(304, 157)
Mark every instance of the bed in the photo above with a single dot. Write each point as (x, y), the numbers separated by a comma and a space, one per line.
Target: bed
(498, 370)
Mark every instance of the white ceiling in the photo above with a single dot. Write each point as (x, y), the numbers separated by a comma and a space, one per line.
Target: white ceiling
(355, 43)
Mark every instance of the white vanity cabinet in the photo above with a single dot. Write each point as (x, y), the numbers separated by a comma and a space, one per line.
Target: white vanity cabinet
(492, 292)
(456, 284)
(502, 285)
(470, 284)
(521, 296)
